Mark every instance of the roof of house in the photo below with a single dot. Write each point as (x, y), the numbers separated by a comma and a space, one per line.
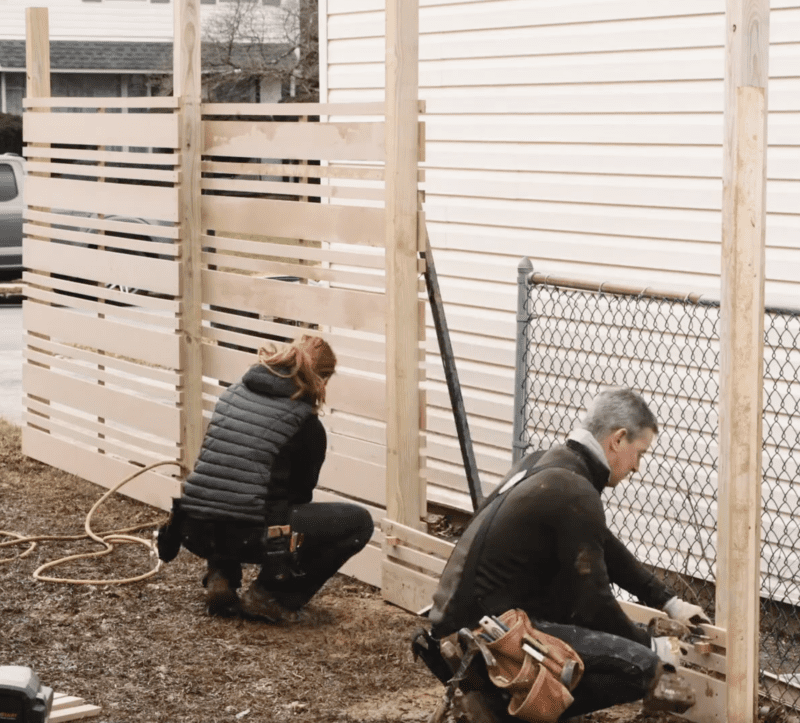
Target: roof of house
(83, 55)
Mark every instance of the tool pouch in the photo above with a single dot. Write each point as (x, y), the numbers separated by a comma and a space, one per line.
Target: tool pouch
(281, 547)
(540, 691)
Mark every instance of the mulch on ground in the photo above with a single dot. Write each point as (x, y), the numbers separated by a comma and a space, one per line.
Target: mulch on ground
(147, 652)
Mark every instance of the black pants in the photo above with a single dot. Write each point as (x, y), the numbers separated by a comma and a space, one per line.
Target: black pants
(332, 533)
(616, 670)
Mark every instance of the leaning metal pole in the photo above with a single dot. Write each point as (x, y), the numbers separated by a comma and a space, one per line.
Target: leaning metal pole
(524, 270)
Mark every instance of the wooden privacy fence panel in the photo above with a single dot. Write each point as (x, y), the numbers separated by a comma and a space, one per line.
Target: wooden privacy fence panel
(291, 243)
(282, 256)
(102, 360)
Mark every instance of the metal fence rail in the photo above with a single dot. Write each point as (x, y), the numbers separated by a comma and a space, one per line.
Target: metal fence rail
(575, 338)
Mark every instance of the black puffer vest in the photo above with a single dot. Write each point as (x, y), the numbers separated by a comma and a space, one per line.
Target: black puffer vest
(252, 421)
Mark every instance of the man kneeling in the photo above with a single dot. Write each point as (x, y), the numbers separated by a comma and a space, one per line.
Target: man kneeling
(540, 544)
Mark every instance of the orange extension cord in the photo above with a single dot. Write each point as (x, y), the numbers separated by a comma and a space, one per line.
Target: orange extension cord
(107, 539)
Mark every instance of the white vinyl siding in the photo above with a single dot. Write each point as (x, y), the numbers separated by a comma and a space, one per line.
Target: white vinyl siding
(586, 135)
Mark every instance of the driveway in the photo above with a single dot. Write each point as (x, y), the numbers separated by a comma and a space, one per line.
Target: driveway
(11, 363)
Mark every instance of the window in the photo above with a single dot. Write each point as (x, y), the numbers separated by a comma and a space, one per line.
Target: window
(8, 183)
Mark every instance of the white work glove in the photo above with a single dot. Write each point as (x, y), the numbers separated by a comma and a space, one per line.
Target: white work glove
(685, 612)
(669, 650)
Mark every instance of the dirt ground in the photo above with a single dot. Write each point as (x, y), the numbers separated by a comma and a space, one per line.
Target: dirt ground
(146, 652)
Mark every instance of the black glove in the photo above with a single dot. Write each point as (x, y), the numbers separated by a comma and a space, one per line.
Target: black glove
(168, 539)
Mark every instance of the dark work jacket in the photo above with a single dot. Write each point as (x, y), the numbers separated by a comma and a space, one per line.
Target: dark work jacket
(262, 451)
(543, 546)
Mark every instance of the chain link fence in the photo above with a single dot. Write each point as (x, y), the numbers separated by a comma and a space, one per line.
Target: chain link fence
(574, 339)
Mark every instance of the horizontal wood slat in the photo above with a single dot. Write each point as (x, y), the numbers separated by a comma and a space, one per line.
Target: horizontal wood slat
(157, 130)
(294, 170)
(147, 345)
(84, 154)
(141, 174)
(103, 401)
(417, 538)
(293, 109)
(280, 188)
(103, 198)
(167, 101)
(358, 310)
(92, 238)
(315, 273)
(104, 441)
(157, 275)
(158, 449)
(158, 377)
(101, 373)
(295, 250)
(354, 478)
(152, 488)
(319, 141)
(406, 588)
(287, 219)
(166, 308)
(85, 221)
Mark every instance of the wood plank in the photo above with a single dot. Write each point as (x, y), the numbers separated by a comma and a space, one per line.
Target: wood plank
(157, 130)
(88, 238)
(417, 538)
(146, 345)
(101, 373)
(65, 701)
(357, 394)
(152, 488)
(143, 174)
(405, 487)
(294, 109)
(187, 83)
(357, 310)
(104, 442)
(710, 696)
(75, 713)
(102, 224)
(159, 449)
(102, 198)
(130, 102)
(370, 430)
(408, 556)
(741, 354)
(408, 589)
(373, 281)
(294, 250)
(280, 188)
(365, 566)
(291, 220)
(143, 372)
(112, 404)
(139, 272)
(291, 170)
(354, 478)
(323, 141)
(139, 158)
(92, 305)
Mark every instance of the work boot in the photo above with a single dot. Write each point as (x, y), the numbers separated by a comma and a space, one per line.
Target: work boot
(258, 603)
(221, 599)
(669, 692)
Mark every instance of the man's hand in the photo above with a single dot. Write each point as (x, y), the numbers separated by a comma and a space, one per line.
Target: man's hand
(685, 612)
(669, 650)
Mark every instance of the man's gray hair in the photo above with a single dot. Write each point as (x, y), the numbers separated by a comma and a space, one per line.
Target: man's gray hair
(618, 408)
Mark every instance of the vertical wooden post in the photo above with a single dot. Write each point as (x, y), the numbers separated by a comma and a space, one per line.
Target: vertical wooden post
(405, 498)
(37, 53)
(186, 86)
(742, 355)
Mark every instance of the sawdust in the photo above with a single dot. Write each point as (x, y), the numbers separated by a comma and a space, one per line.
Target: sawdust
(147, 652)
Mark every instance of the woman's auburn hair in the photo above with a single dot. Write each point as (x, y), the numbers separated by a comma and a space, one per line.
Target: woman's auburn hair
(309, 361)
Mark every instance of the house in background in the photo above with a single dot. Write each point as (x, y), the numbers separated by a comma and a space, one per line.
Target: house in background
(121, 48)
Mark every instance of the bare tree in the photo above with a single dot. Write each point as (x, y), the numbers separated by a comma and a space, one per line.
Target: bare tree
(247, 42)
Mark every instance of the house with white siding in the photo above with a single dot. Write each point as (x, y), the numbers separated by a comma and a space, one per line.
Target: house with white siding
(584, 134)
(116, 47)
